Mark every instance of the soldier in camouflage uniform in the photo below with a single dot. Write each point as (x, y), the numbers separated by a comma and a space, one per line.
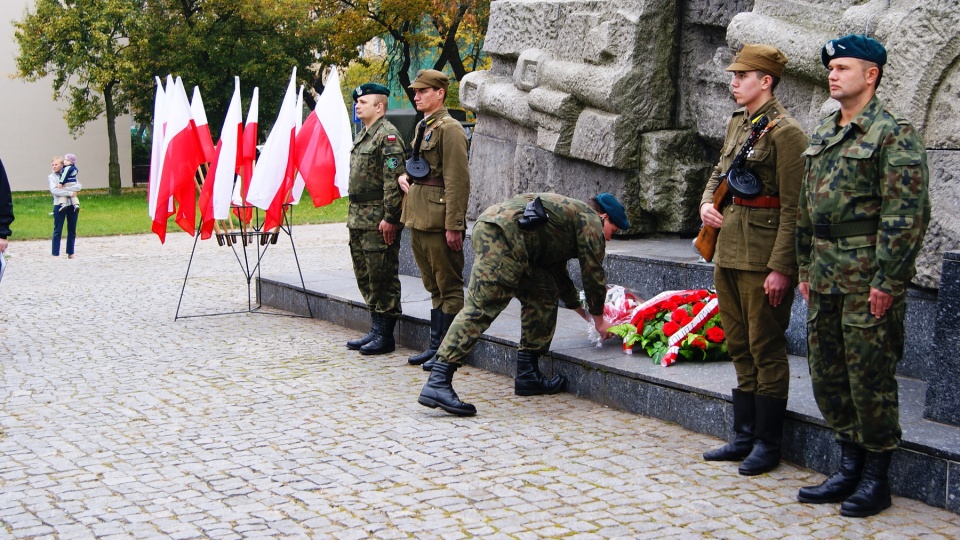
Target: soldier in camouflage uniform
(435, 207)
(756, 262)
(374, 217)
(528, 261)
(864, 209)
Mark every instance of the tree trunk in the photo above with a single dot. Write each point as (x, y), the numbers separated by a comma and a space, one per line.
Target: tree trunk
(113, 166)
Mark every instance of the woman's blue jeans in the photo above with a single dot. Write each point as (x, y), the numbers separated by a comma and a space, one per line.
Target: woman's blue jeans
(70, 215)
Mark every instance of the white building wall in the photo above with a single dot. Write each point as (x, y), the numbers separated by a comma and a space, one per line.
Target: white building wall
(34, 129)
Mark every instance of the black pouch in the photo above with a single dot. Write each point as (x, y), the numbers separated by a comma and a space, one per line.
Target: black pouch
(533, 215)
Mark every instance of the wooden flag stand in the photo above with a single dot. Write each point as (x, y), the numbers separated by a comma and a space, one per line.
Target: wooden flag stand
(245, 238)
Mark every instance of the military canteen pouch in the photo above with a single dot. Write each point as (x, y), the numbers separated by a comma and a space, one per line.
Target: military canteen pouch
(533, 215)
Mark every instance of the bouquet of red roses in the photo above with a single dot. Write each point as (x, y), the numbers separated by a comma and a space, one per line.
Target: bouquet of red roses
(676, 325)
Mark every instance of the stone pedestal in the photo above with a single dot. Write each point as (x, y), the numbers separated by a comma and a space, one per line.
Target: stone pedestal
(943, 391)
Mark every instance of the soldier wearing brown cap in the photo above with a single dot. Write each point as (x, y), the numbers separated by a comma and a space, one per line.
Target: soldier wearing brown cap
(435, 207)
(756, 264)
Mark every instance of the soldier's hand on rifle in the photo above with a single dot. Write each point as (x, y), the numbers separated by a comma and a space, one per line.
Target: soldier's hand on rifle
(710, 216)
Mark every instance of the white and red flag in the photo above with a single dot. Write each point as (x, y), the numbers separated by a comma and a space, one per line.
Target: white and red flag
(298, 184)
(274, 175)
(248, 156)
(182, 155)
(323, 145)
(156, 161)
(217, 190)
(203, 130)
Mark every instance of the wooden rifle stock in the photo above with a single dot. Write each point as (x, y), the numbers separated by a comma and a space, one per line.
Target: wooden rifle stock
(706, 242)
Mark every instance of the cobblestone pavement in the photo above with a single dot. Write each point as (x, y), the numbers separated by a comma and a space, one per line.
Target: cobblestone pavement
(119, 422)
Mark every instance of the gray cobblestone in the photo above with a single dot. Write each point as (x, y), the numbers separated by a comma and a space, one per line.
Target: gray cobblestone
(119, 422)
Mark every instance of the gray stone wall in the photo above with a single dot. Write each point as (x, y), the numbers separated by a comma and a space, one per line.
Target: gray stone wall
(630, 96)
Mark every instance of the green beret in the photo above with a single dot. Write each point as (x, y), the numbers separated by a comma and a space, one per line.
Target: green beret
(854, 46)
(614, 210)
(368, 89)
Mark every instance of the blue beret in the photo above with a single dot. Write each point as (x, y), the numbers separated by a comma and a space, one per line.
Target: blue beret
(370, 88)
(614, 210)
(854, 46)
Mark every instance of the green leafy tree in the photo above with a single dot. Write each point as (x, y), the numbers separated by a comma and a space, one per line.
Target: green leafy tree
(84, 45)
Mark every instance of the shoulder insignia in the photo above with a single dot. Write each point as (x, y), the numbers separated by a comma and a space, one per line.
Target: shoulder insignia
(393, 163)
(391, 138)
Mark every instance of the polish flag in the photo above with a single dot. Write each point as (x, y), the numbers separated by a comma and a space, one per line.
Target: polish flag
(298, 184)
(182, 155)
(156, 156)
(323, 145)
(203, 130)
(275, 172)
(247, 157)
(216, 193)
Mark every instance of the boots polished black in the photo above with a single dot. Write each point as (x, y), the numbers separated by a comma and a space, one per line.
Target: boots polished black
(383, 342)
(743, 419)
(840, 484)
(436, 335)
(873, 493)
(355, 344)
(530, 381)
(446, 320)
(439, 392)
(768, 432)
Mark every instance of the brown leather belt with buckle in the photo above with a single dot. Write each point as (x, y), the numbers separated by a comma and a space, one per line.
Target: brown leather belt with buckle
(438, 182)
(763, 201)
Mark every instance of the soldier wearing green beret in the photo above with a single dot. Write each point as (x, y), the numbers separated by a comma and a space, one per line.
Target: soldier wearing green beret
(863, 212)
(374, 217)
(435, 206)
(756, 265)
(524, 257)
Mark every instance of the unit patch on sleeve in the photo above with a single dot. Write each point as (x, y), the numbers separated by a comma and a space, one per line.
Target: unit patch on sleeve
(393, 163)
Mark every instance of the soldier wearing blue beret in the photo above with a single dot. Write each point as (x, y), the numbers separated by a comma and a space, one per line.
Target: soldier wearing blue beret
(522, 246)
(373, 218)
(863, 212)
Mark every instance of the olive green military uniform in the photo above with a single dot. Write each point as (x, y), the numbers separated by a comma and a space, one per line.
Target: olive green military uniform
(530, 265)
(376, 161)
(754, 241)
(863, 213)
(437, 204)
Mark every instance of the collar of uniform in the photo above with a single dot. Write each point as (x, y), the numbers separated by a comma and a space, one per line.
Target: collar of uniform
(436, 116)
(866, 116)
(772, 106)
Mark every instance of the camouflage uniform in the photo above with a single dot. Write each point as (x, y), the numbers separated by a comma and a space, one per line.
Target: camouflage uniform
(864, 209)
(530, 265)
(431, 210)
(754, 241)
(375, 163)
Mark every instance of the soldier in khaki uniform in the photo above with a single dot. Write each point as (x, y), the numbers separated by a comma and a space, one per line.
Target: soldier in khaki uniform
(864, 209)
(374, 217)
(435, 207)
(521, 257)
(756, 264)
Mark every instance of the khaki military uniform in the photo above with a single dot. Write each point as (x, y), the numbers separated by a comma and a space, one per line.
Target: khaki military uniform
(530, 265)
(438, 204)
(755, 240)
(376, 161)
(863, 212)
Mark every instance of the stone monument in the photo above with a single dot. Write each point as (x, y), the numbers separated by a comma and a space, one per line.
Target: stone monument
(630, 96)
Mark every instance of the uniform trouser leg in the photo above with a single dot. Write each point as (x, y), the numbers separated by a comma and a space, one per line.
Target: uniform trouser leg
(539, 297)
(853, 358)
(376, 266)
(755, 331)
(441, 269)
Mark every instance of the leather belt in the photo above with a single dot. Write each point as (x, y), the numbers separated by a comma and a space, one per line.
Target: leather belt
(366, 196)
(763, 201)
(438, 182)
(830, 231)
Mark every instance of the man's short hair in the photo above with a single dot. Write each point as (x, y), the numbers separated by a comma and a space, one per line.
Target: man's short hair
(776, 80)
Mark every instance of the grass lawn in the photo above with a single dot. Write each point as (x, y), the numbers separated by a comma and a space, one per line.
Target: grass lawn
(105, 215)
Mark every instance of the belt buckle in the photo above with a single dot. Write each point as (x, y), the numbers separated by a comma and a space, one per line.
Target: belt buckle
(821, 230)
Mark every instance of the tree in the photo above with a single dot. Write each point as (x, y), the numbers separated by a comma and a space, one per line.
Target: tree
(84, 44)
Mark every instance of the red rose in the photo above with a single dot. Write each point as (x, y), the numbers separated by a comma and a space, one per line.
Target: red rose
(699, 342)
(680, 316)
(715, 334)
(669, 306)
(670, 328)
(697, 308)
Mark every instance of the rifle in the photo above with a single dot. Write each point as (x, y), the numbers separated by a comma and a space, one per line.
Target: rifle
(706, 242)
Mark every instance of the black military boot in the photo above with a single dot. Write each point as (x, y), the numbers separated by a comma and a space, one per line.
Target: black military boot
(436, 335)
(446, 320)
(743, 418)
(840, 484)
(383, 343)
(768, 432)
(530, 381)
(439, 392)
(355, 344)
(873, 494)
